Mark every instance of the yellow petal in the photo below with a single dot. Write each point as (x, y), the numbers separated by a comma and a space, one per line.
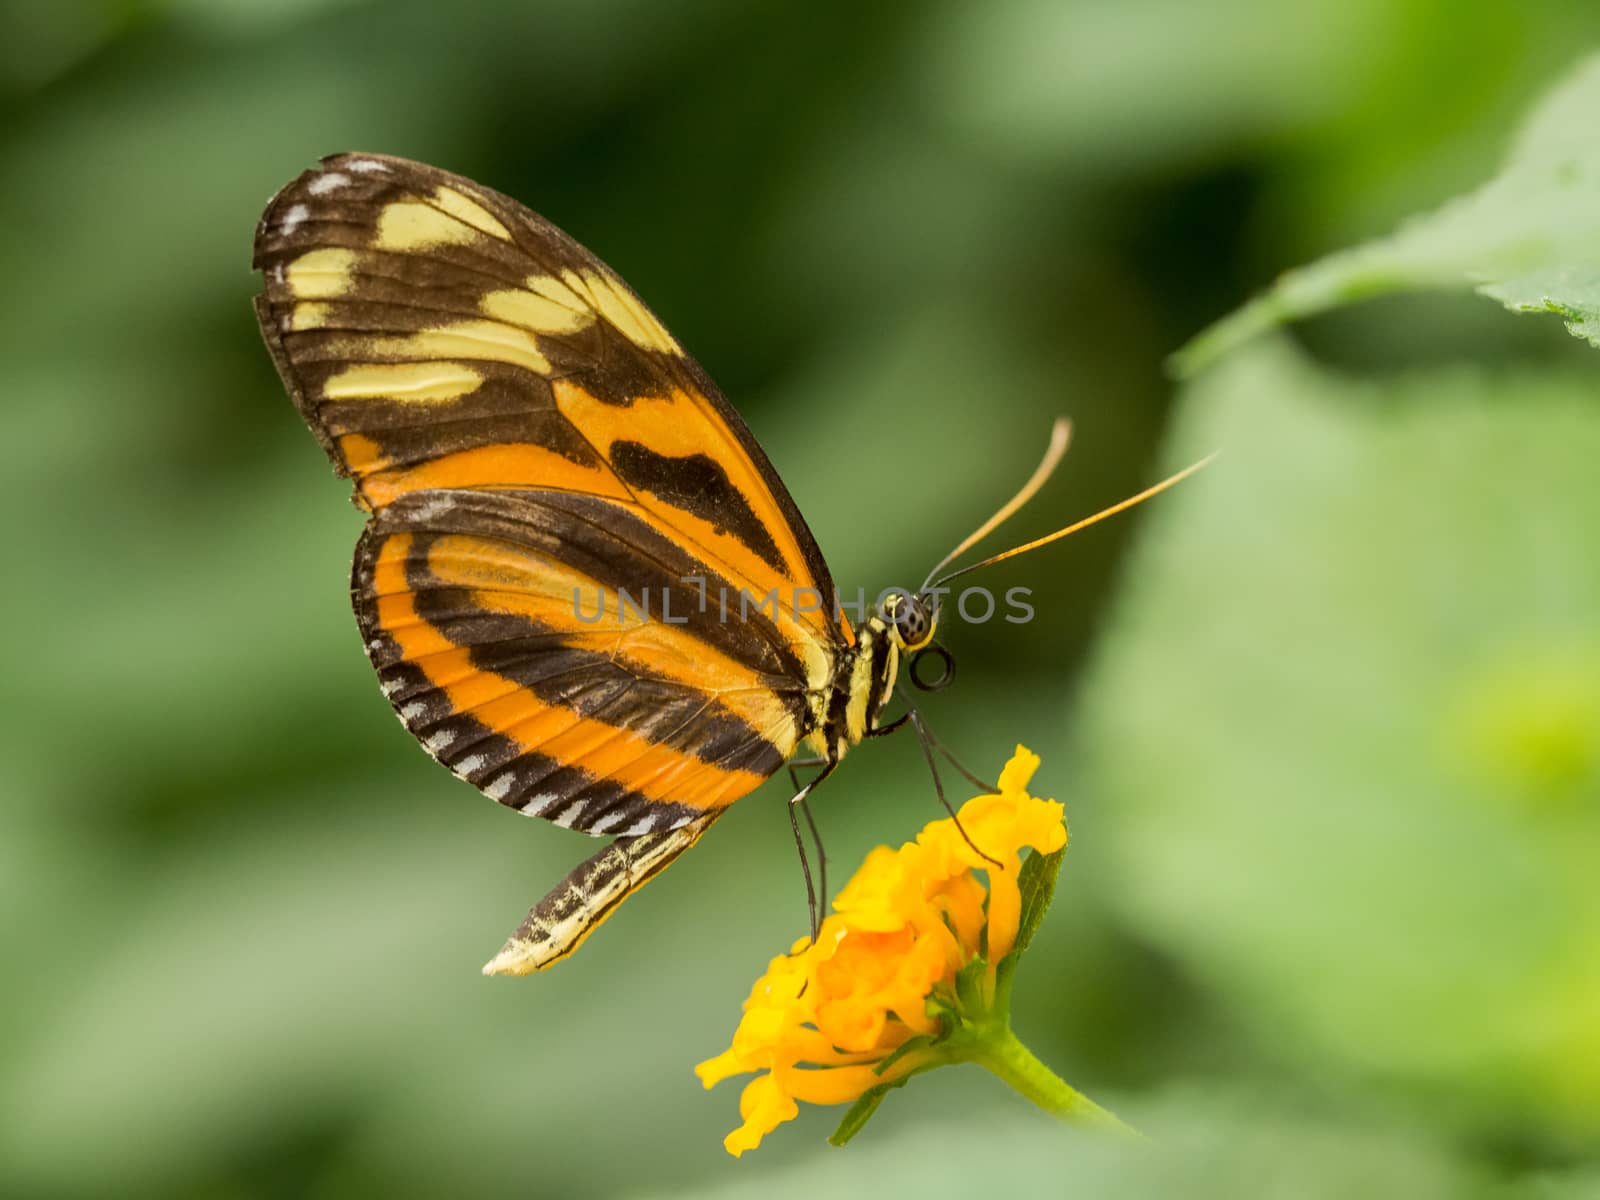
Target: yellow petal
(1018, 772)
(714, 1070)
(837, 1086)
(1005, 913)
(764, 1106)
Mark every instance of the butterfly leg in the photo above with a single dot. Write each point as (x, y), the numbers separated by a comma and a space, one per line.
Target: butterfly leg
(816, 837)
(949, 754)
(975, 780)
(796, 805)
(885, 730)
(796, 764)
(926, 740)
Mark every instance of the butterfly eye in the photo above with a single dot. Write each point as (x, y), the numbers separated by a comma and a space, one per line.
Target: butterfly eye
(912, 623)
(910, 619)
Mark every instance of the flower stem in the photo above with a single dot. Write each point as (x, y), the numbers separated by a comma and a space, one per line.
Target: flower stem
(1000, 1052)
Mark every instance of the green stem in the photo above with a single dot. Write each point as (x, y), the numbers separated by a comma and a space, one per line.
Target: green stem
(999, 1051)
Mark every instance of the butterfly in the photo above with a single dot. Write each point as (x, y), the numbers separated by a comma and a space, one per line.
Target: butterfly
(527, 437)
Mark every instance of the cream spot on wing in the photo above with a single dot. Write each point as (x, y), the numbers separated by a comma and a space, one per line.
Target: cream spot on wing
(499, 787)
(470, 211)
(321, 274)
(367, 166)
(565, 817)
(578, 285)
(607, 823)
(642, 825)
(323, 184)
(414, 711)
(660, 339)
(439, 741)
(492, 341)
(535, 312)
(410, 383)
(293, 219)
(432, 507)
(471, 763)
(539, 803)
(626, 314)
(415, 225)
(554, 290)
(308, 315)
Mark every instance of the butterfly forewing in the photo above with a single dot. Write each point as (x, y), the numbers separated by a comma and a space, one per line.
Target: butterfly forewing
(532, 443)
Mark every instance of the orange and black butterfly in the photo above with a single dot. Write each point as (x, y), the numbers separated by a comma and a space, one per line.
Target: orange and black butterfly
(534, 448)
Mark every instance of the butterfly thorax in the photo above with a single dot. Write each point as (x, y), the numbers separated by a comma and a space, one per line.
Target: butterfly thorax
(864, 678)
(863, 681)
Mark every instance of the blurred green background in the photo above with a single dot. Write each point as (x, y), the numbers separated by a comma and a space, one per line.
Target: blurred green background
(1326, 720)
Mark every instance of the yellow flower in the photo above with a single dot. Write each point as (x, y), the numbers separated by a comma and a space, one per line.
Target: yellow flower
(873, 1000)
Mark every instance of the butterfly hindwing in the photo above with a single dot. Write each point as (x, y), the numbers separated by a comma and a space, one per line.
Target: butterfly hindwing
(468, 602)
(532, 443)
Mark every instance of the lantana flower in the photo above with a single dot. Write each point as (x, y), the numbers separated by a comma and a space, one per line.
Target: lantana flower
(912, 970)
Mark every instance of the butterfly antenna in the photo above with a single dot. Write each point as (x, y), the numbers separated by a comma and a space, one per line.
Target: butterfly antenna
(1060, 436)
(1121, 506)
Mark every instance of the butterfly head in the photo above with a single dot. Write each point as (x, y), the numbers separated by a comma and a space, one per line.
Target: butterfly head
(911, 620)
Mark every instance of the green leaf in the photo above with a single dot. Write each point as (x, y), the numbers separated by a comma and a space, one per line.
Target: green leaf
(969, 986)
(1529, 238)
(912, 1044)
(1037, 883)
(861, 1112)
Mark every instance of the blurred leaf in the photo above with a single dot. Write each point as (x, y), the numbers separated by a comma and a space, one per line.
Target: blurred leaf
(1122, 84)
(215, 995)
(1203, 1145)
(1347, 728)
(1529, 238)
(44, 41)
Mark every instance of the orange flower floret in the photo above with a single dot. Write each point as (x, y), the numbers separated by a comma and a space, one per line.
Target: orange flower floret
(821, 1022)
